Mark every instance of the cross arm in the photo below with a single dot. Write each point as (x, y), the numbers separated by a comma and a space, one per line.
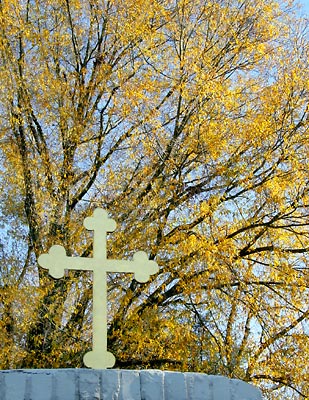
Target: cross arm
(141, 266)
(56, 261)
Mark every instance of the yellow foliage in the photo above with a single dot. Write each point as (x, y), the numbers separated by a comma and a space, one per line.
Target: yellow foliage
(188, 122)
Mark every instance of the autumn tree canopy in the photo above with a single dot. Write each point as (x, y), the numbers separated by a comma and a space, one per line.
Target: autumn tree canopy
(188, 122)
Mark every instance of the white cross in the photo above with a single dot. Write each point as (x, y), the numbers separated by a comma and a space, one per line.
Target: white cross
(56, 261)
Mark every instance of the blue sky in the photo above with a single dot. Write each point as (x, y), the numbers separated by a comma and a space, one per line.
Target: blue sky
(305, 4)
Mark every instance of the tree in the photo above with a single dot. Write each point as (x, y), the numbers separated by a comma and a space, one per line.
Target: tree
(188, 122)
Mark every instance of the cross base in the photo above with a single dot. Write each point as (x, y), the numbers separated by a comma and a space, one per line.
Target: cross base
(99, 359)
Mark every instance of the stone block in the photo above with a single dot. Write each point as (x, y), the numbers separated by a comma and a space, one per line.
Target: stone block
(113, 384)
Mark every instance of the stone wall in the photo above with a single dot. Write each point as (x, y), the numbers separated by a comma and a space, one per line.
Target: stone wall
(111, 384)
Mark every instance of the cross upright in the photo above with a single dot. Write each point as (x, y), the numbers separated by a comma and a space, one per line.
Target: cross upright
(56, 261)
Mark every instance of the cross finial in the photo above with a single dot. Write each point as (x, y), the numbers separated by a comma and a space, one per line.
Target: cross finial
(56, 261)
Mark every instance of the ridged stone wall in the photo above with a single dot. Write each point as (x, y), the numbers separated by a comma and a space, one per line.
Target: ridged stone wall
(86, 384)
